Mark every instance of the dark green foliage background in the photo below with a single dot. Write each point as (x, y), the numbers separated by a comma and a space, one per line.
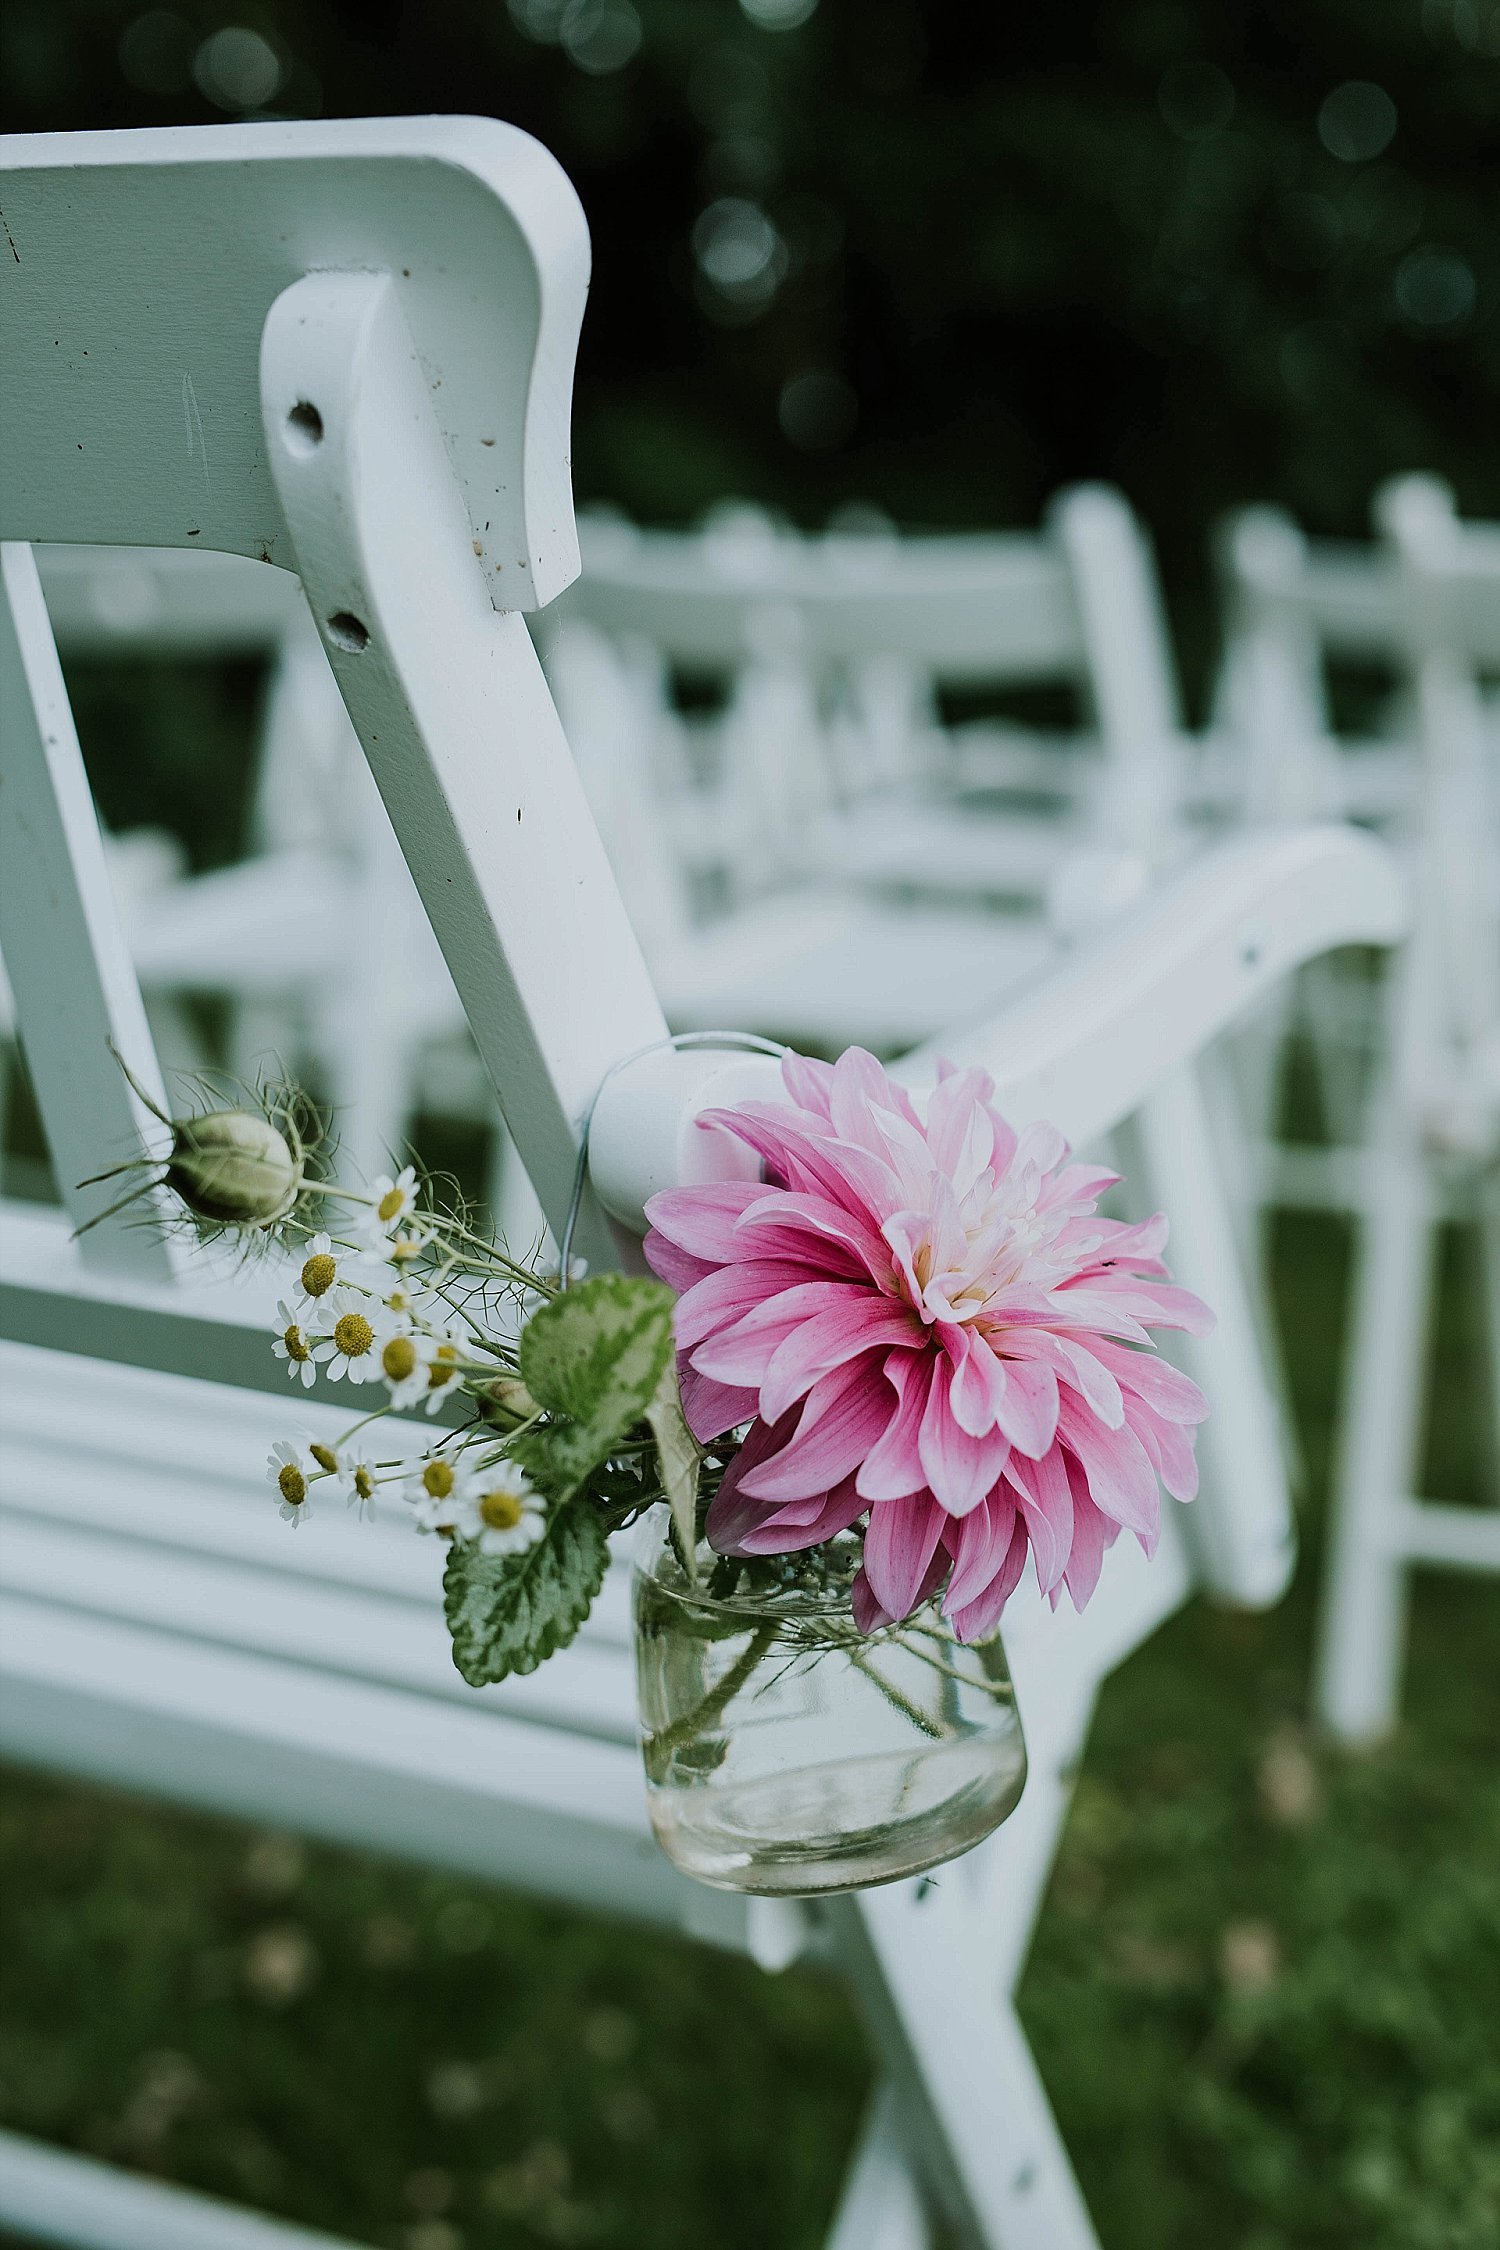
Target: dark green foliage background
(1040, 243)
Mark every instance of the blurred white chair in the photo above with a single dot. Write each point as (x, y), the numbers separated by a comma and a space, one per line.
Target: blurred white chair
(381, 319)
(1433, 1145)
(828, 759)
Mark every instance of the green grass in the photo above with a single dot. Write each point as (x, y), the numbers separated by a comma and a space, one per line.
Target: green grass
(1265, 1995)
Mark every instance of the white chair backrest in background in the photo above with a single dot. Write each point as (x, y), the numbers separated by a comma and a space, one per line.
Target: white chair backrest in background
(1432, 1148)
(831, 654)
(366, 330)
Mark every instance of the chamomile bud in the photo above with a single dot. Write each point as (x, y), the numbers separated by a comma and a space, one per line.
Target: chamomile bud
(507, 1400)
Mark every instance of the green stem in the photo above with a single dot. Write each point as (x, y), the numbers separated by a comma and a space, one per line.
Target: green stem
(696, 1722)
(896, 1699)
(950, 1671)
(363, 1424)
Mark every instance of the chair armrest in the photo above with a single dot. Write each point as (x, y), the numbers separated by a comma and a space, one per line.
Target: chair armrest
(1090, 1040)
(1088, 1043)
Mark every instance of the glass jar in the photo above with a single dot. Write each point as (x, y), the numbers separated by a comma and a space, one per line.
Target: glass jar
(788, 1753)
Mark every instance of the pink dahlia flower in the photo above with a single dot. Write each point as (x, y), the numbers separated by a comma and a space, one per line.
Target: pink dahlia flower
(925, 1321)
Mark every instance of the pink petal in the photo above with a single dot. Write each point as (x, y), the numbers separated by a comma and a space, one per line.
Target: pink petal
(677, 1268)
(893, 1466)
(780, 1533)
(958, 1469)
(711, 1408)
(727, 1294)
(977, 1391)
(1165, 1389)
(960, 1130)
(732, 1512)
(1169, 1449)
(900, 1543)
(979, 1543)
(1028, 1406)
(1121, 1480)
(1093, 1533)
(701, 1220)
(742, 1351)
(811, 1228)
(980, 1616)
(1047, 1504)
(817, 1346)
(808, 1082)
(1082, 1368)
(843, 1415)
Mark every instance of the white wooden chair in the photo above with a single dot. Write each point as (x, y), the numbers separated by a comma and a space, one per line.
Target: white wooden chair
(368, 329)
(1433, 1145)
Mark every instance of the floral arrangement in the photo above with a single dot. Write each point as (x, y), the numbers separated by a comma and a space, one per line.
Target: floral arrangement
(914, 1333)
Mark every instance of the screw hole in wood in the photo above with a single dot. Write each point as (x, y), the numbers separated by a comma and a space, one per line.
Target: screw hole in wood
(304, 427)
(345, 631)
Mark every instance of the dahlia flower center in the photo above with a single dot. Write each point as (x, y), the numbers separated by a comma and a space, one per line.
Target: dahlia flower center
(1004, 1243)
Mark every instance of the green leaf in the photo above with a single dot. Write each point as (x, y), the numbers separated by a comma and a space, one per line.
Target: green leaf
(509, 1613)
(593, 1358)
(677, 1452)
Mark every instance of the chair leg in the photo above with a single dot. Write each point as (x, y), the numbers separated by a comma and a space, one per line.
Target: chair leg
(1489, 1269)
(880, 2207)
(1385, 1386)
(1245, 1544)
(972, 2106)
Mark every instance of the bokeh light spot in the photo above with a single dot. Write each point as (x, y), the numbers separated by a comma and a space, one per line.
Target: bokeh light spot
(1357, 121)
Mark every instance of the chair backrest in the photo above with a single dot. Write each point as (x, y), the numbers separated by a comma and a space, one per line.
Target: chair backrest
(144, 266)
(368, 327)
(872, 627)
(1448, 573)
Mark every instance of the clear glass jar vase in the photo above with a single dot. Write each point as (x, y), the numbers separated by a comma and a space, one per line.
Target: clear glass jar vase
(789, 1754)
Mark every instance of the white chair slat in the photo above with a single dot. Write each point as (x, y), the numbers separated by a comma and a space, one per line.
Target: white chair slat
(62, 942)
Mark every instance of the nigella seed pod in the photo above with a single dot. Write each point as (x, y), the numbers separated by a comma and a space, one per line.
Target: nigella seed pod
(234, 1168)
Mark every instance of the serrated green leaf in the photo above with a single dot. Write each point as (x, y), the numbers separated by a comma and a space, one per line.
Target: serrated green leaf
(677, 1454)
(509, 1613)
(593, 1358)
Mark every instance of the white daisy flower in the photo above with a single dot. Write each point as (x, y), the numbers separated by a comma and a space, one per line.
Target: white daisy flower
(512, 1514)
(405, 1357)
(358, 1328)
(295, 1347)
(291, 1474)
(356, 1479)
(410, 1239)
(392, 1202)
(328, 1267)
(440, 1494)
(444, 1366)
(407, 1300)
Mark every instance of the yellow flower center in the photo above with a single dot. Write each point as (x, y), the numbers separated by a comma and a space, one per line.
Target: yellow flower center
(325, 1457)
(389, 1206)
(405, 1246)
(353, 1335)
(319, 1274)
(501, 1511)
(364, 1483)
(292, 1485)
(437, 1479)
(295, 1347)
(444, 1367)
(398, 1358)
